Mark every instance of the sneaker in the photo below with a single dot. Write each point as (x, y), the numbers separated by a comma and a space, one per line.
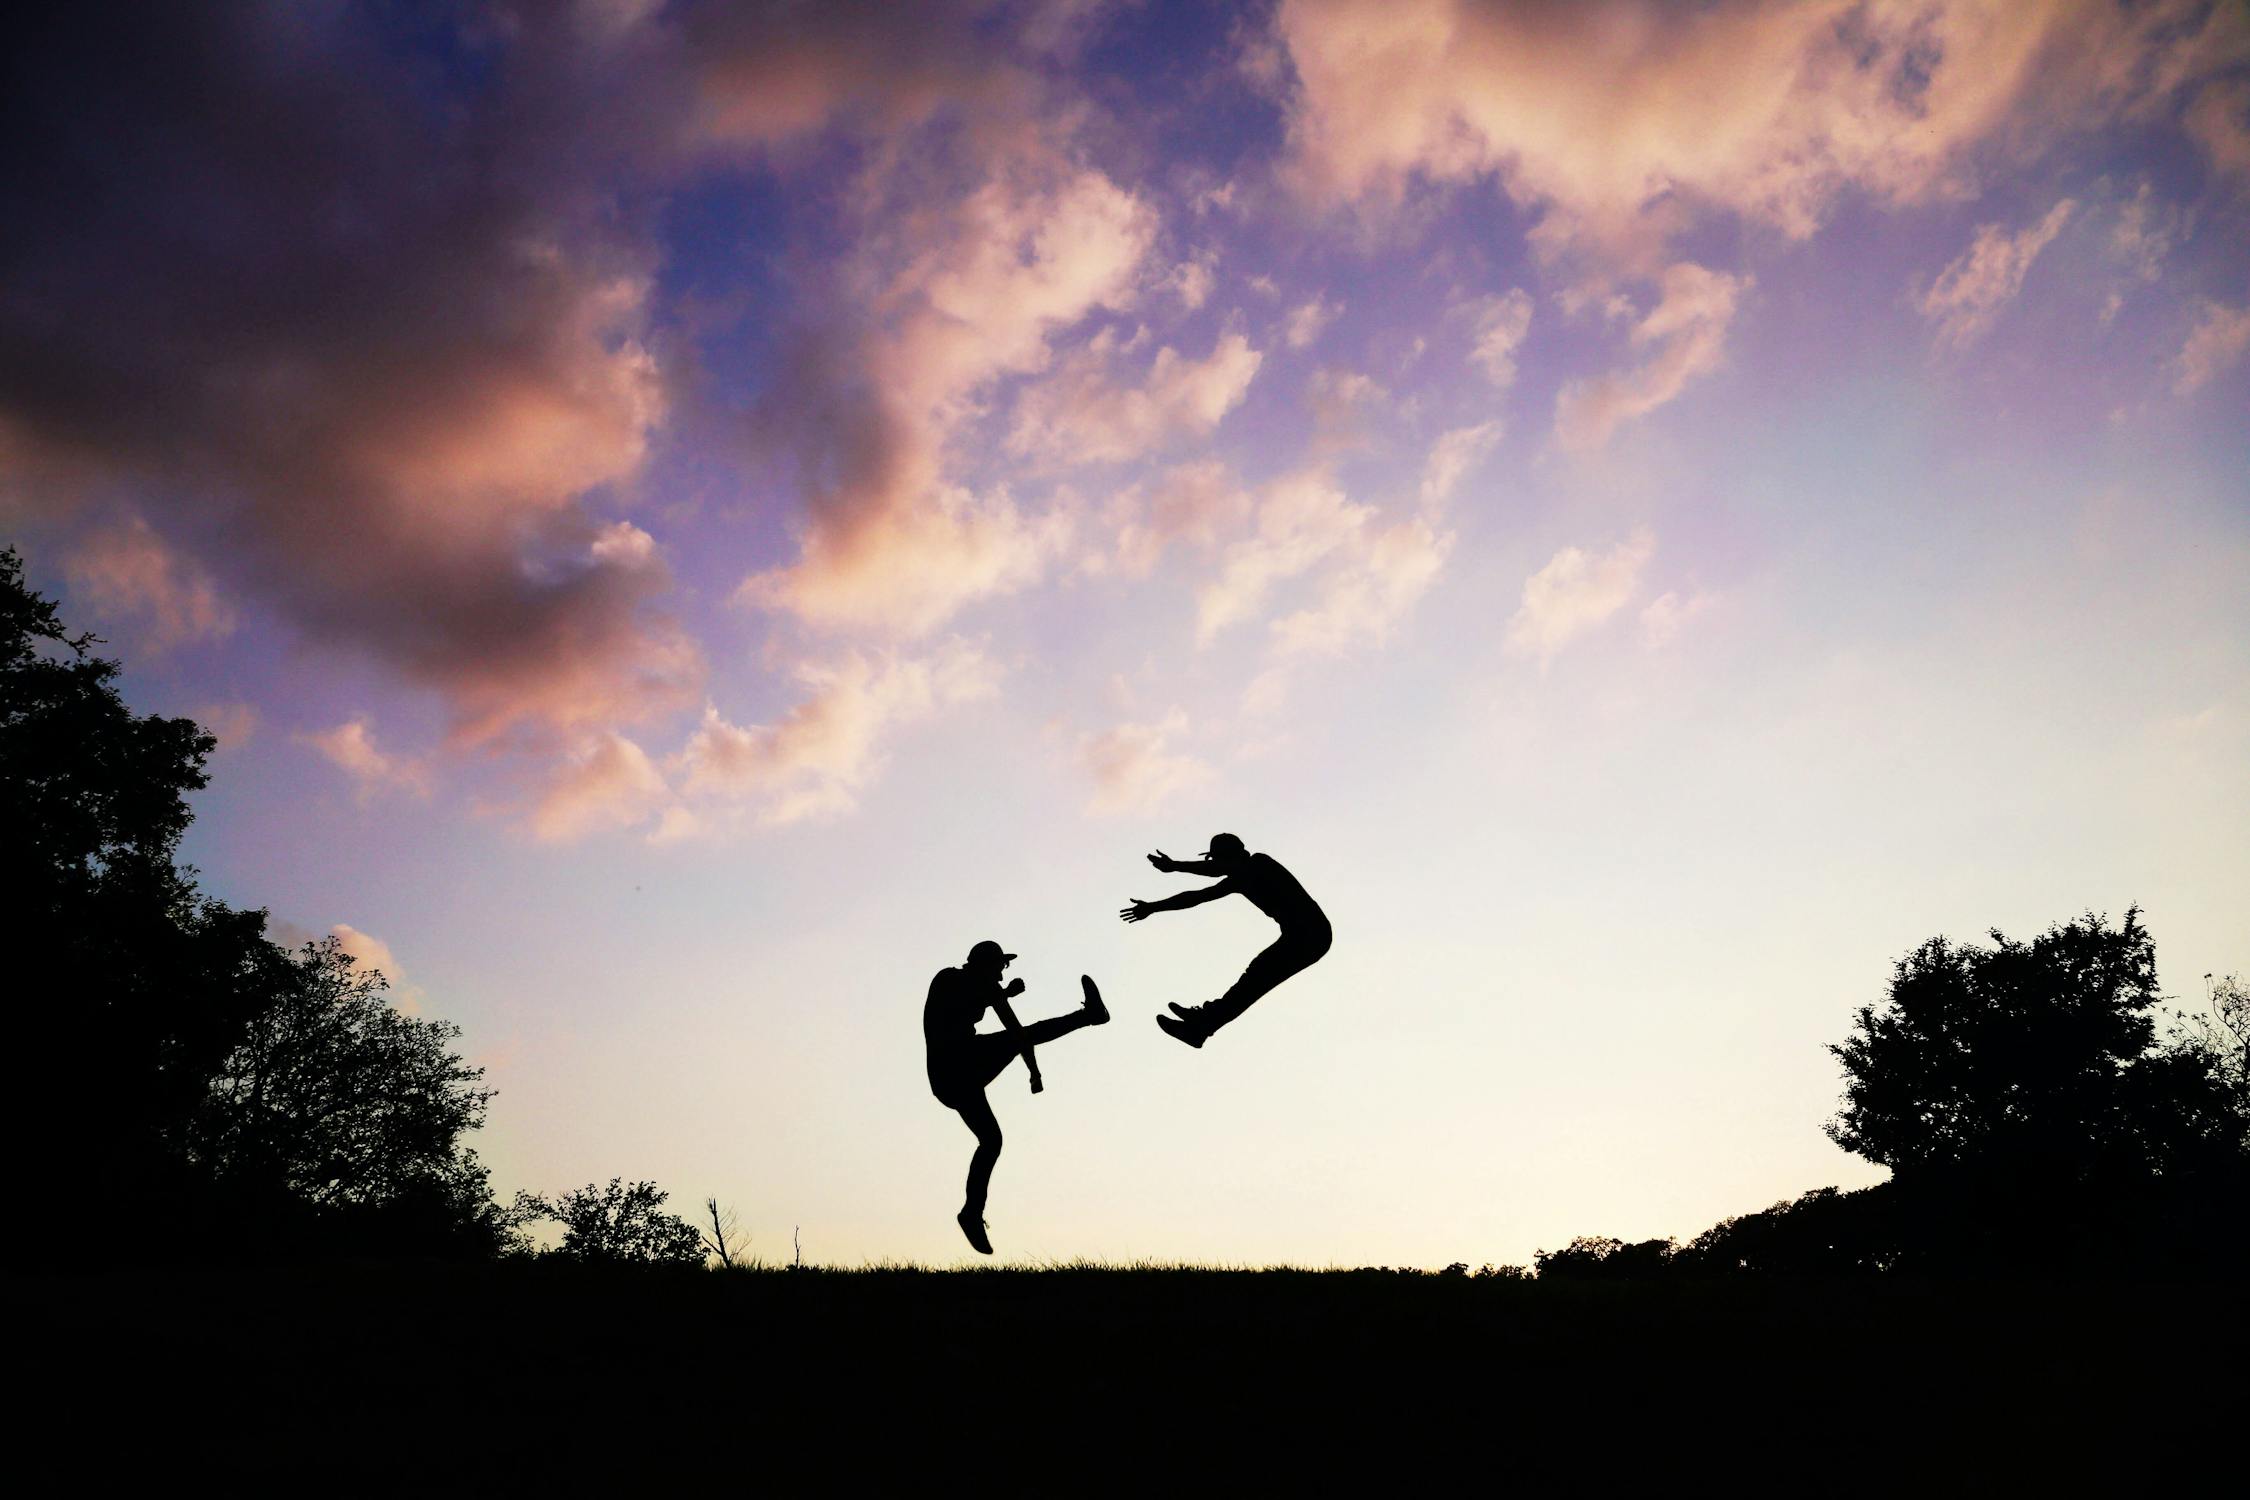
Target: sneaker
(1097, 1013)
(974, 1229)
(1181, 1031)
(1192, 1014)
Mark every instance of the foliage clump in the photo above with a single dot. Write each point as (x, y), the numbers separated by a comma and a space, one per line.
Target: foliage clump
(622, 1224)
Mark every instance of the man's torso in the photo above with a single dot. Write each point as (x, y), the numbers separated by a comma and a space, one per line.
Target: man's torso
(1269, 886)
(949, 1020)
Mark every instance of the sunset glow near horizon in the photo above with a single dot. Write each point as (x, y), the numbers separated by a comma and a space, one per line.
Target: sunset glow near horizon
(685, 518)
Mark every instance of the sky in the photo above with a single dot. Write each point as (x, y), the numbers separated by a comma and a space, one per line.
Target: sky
(683, 518)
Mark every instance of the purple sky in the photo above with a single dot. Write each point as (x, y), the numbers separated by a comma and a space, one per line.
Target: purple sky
(684, 517)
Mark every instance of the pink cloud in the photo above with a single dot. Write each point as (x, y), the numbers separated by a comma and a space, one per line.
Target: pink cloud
(1309, 320)
(890, 545)
(128, 572)
(1968, 294)
(1575, 592)
(351, 748)
(1134, 768)
(1301, 519)
(1617, 119)
(1083, 413)
(1363, 601)
(371, 952)
(1193, 279)
(764, 74)
(384, 403)
(608, 782)
(1454, 454)
(2215, 344)
(816, 759)
(1499, 323)
(1687, 329)
(1665, 616)
(231, 724)
(1194, 503)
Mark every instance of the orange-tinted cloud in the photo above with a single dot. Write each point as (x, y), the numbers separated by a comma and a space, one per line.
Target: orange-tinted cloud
(1301, 520)
(815, 760)
(1685, 334)
(608, 782)
(2217, 342)
(1499, 324)
(351, 748)
(1134, 768)
(375, 373)
(127, 572)
(1084, 413)
(1968, 294)
(1617, 119)
(1575, 592)
(1196, 503)
(890, 545)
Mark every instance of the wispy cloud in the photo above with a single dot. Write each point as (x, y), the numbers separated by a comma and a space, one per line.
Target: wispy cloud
(1134, 768)
(1498, 325)
(1301, 519)
(1575, 592)
(1620, 122)
(1195, 503)
(607, 782)
(127, 573)
(2214, 345)
(1084, 413)
(891, 545)
(371, 952)
(1968, 294)
(351, 748)
(1455, 453)
(1308, 320)
(816, 759)
(1686, 331)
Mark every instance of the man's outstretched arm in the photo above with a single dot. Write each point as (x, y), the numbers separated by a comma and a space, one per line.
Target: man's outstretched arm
(1169, 865)
(1141, 910)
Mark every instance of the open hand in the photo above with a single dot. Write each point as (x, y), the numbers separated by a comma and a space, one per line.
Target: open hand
(1135, 912)
(1163, 861)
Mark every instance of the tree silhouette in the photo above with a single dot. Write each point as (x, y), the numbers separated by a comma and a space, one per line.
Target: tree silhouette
(1602, 1257)
(336, 1101)
(257, 1101)
(2031, 1061)
(621, 1224)
(135, 985)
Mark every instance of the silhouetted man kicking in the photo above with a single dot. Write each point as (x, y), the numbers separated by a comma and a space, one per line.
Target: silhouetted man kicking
(963, 1060)
(1305, 934)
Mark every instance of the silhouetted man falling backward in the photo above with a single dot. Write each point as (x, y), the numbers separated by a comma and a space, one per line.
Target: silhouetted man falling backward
(1305, 933)
(963, 1061)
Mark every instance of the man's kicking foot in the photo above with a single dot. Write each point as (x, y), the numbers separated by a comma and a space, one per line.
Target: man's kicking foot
(1184, 1027)
(1097, 1014)
(974, 1229)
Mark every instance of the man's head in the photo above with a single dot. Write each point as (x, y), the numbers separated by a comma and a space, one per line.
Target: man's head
(987, 957)
(1226, 849)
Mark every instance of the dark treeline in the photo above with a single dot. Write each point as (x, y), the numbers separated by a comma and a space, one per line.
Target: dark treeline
(2033, 1121)
(197, 1080)
(185, 1076)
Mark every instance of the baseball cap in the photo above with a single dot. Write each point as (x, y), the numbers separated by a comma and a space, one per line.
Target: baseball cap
(989, 949)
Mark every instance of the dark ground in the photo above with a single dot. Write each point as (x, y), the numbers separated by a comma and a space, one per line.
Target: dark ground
(1113, 1380)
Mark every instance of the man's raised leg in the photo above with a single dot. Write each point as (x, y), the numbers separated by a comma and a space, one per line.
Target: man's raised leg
(1092, 1013)
(1278, 961)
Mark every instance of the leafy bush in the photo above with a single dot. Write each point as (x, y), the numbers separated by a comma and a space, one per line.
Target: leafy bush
(623, 1224)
